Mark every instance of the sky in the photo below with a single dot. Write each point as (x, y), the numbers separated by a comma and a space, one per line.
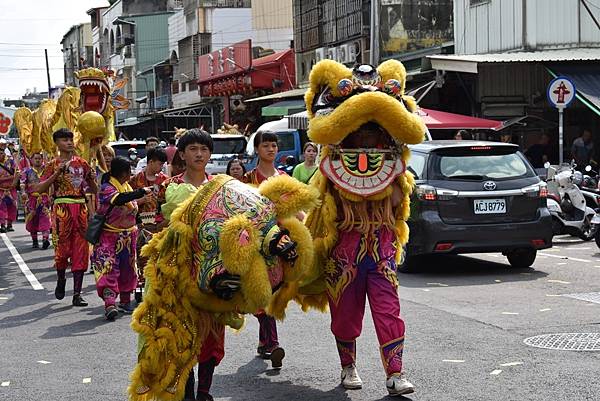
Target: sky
(27, 27)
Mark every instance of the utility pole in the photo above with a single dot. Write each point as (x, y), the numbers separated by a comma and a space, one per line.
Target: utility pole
(47, 71)
(374, 43)
(72, 65)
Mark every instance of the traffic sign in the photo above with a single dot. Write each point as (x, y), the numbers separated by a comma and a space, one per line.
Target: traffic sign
(561, 92)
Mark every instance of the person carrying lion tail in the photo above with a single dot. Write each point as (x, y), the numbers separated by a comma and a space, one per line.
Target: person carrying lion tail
(363, 121)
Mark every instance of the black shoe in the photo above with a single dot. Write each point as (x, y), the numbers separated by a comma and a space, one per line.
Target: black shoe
(45, 244)
(35, 244)
(10, 228)
(204, 396)
(2, 229)
(277, 355)
(79, 301)
(110, 313)
(262, 352)
(59, 292)
(127, 308)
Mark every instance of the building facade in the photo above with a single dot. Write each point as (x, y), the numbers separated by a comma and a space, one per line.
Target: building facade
(508, 51)
(77, 51)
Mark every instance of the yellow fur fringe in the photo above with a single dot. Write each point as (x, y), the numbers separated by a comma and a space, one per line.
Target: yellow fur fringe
(289, 195)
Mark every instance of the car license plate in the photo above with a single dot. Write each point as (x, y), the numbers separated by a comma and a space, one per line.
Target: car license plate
(489, 206)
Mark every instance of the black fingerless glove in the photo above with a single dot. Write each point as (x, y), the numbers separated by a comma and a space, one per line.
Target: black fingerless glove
(225, 285)
(283, 246)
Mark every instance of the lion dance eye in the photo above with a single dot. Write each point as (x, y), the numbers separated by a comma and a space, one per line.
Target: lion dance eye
(345, 87)
(393, 87)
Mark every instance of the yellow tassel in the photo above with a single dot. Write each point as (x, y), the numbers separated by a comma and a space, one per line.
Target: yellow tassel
(289, 195)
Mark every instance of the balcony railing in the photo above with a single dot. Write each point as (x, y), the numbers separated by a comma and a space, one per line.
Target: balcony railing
(162, 102)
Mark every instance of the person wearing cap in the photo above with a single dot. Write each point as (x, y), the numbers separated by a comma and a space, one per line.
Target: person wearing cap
(9, 177)
(133, 157)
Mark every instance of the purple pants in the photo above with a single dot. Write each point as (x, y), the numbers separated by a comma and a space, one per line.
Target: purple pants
(113, 261)
(8, 207)
(363, 271)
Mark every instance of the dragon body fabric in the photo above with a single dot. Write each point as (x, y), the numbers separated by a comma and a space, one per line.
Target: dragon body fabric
(356, 183)
(225, 227)
(87, 111)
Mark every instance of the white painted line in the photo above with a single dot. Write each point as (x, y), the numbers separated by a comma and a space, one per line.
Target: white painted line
(453, 360)
(3, 298)
(5, 384)
(562, 263)
(511, 364)
(438, 284)
(541, 310)
(425, 289)
(559, 281)
(553, 295)
(4, 288)
(87, 380)
(44, 362)
(565, 257)
(510, 313)
(22, 265)
(597, 266)
(496, 372)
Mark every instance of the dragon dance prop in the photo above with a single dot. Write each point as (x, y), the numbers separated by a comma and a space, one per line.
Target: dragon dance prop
(227, 226)
(86, 110)
(356, 182)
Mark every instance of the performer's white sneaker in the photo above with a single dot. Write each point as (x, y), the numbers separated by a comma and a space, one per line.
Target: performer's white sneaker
(397, 384)
(350, 378)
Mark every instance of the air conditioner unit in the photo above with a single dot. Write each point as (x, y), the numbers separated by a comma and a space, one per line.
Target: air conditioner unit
(343, 54)
(320, 54)
(332, 53)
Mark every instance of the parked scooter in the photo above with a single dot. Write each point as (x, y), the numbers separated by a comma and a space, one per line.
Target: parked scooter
(567, 205)
(589, 187)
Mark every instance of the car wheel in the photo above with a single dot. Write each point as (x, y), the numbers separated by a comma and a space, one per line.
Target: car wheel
(408, 264)
(521, 258)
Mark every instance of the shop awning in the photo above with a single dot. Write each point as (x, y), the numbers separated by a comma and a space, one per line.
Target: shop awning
(283, 108)
(469, 62)
(587, 82)
(435, 119)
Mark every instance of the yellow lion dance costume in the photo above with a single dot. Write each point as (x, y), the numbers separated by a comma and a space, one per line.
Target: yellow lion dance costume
(226, 228)
(363, 122)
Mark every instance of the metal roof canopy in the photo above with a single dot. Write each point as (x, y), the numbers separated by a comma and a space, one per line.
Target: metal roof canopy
(281, 95)
(198, 110)
(469, 62)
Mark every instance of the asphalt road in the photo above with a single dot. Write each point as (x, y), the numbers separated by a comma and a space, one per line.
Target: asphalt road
(467, 319)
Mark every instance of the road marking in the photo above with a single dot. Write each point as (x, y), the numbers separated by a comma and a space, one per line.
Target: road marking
(585, 248)
(425, 289)
(3, 298)
(559, 281)
(496, 372)
(562, 263)
(511, 364)
(44, 362)
(544, 310)
(510, 313)
(553, 295)
(5, 384)
(497, 281)
(597, 266)
(453, 360)
(4, 288)
(87, 380)
(22, 265)
(565, 257)
(438, 284)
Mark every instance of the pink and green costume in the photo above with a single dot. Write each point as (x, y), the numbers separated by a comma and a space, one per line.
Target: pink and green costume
(37, 206)
(8, 192)
(114, 257)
